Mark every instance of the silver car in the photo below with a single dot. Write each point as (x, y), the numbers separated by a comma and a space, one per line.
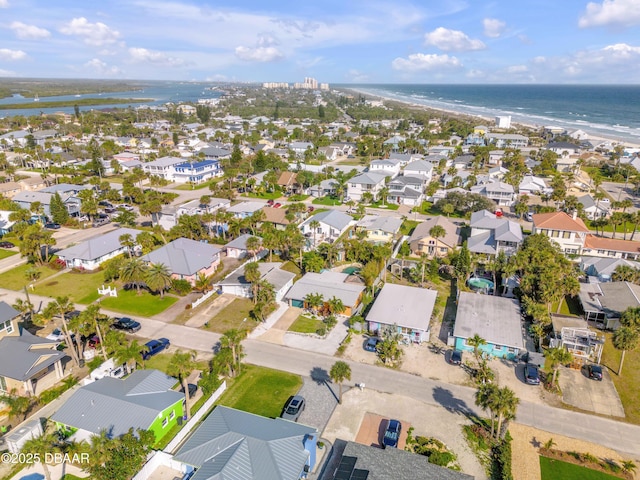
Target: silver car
(293, 408)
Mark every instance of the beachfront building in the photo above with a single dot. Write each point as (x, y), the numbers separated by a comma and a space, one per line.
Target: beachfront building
(508, 140)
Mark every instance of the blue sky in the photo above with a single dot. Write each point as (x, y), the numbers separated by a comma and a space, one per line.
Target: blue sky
(347, 41)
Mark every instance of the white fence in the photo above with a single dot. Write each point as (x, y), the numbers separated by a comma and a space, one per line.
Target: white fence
(202, 298)
(159, 458)
(177, 440)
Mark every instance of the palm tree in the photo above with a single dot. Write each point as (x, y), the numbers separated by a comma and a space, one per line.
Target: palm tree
(437, 231)
(131, 354)
(314, 301)
(628, 466)
(232, 340)
(252, 275)
(126, 240)
(158, 278)
(253, 245)
(504, 403)
(313, 225)
(203, 283)
(63, 306)
(624, 339)
(99, 321)
(631, 318)
(483, 398)
(181, 365)
(134, 271)
(557, 356)
(335, 306)
(340, 371)
(476, 342)
(41, 447)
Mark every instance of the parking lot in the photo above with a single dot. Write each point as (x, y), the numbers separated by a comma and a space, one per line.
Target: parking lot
(590, 395)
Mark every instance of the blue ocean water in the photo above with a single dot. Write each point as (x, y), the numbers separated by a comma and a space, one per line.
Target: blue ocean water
(610, 111)
(159, 92)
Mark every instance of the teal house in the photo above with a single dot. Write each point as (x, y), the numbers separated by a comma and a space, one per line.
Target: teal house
(495, 319)
(142, 400)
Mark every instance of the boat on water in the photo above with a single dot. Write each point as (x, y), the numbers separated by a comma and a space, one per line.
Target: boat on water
(36, 98)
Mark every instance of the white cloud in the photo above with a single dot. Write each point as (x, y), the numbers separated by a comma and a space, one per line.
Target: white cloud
(6, 54)
(143, 55)
(493, 27)
(101, 67)
(24, 31)
(452, 40)
(611, 12)
(96, 34)
(258, 54)
(4, 4)
(517, 69)
(7, 73)
(425, 62)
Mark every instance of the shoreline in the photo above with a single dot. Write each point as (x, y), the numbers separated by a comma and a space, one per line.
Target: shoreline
(491, 121)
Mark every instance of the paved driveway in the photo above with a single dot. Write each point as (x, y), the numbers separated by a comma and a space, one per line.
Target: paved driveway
(321, 397)
(590, 395)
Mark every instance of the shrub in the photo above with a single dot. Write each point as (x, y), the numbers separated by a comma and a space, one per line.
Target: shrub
(94, 363)
(50, 395)
(57, 264)
(180, 286)
(322, 331)
(331, 321)
(502, 459)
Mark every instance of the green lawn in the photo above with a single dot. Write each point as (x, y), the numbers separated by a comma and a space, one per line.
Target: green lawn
(408, 226)
(627, 384)
(260, 390)
(387, 206)
(187, 186)
(80, 287)
(264, 196)
(15, 278)
(145, 305)
(234, 315)
(620, 229)
(570, 306)
(298, 198)
(305, 324)
(328, 200)
(556, 469)
(4, 253)
(427, 208)
(161, 361)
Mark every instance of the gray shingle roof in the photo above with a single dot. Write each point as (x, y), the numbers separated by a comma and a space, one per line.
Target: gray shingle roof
(269, 271)
(405, 306)
(184, 256)
(235, 445)
(20, 360)
(496, 319)
(333, 218)
(7, 312)
(452, 237)
(117, 405)
(97, 247)
(384, 224)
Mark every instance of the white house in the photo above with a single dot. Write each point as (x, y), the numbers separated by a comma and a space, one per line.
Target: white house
(331, 224)
(501, 193)
(385, 166)
(89, 254)
(406, 190)
(162, 167)
(532, 185)
(491, 235)
(422, 168)
(365, 182)
(195, 172)
(236, 284)
(595, 209)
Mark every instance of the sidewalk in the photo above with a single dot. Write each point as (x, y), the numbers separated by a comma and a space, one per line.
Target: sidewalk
(270, 322)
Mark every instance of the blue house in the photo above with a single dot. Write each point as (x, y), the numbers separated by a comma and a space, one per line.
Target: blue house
(495, 319)
(196, 172)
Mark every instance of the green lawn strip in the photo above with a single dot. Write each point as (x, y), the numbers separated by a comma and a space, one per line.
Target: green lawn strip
(261, 390)
(386, 206)
(329, 201)
(298, 198)
(305, 324)
(264, 196)
(15, 278)
(408, 226)
(145, 305)
(161, 361)
(235, 315)
(4, 253)
(427, 208)
(552, 469)
(80, 287)
(627, 384)
(189, 186)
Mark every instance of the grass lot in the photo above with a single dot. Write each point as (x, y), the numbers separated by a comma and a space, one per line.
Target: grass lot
(298, 198)
(427, 208)
(15, 278)
(556, 469)
(235, 315)
(319, 210)
(570, 306)
(408, 226)
(161, 361)
(188, 186)
(145, 305)
(628, 384)
(80, 287)
(305, 324)
(328, 200)
(620, 229)
(387, 206)
(264, 196)
(6, 253)
(260, 390)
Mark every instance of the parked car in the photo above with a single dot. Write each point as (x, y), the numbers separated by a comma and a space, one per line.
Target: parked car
(293, 408)
(126, 324)
(94, 341)
(6, 245)
(193, 388)
(531, 374)
(371, 344)
(105, 203)
(456, 357)
(311, 208)
(57, 335)
(595, 372)
(270, 202)
(127, 207)
(392, 434)
(277, 205)
(52, 226)
(528, 217)
(100, 221)
(155, 346)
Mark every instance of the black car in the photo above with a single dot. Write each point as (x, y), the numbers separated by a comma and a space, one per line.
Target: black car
(126, 324)
(595, 372)
(193, 388)
(154, 347)
(371, 344)
(456, 357)
(52, 226)
(293, 408)
(392, 434)
(6, 245)
(531, 374)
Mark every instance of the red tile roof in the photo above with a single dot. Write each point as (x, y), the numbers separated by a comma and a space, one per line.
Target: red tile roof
(602, 243)
(559, 221)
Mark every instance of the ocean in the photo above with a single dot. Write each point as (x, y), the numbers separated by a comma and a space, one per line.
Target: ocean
(159, 92)
(608, 111)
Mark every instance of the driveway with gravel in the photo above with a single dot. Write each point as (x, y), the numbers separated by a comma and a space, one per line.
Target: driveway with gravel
(322, 398)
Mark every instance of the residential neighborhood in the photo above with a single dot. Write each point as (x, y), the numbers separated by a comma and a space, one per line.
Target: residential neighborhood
(339, 288)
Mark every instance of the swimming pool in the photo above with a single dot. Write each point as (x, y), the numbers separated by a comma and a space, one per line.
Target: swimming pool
(478, 284)
(351, 270)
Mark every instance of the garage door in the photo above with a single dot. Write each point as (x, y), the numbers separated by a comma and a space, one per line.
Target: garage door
(297, 303)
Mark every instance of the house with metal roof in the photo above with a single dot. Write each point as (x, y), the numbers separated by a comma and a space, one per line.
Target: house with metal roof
(495, 319)
(491, 234)
(144, 400)
(601, 269)
(245, 209)
(501, 193)
(378, 229)
(186, 259)
(332, 224)
(421, 242)
(595, 209)
(235, 445)
(236, 284)
(88, 255)
(162, 167)
(406, 309)
(195, 172)
(27, 363)
(348, 288)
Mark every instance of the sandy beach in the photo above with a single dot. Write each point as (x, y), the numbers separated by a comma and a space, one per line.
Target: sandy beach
(489, 121)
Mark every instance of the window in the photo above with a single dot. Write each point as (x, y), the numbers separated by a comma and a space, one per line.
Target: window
(8, 326)
(165, 422)
(3, 384)
(497, 347)
(555, 233)
(172, 415)
(566, 234)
